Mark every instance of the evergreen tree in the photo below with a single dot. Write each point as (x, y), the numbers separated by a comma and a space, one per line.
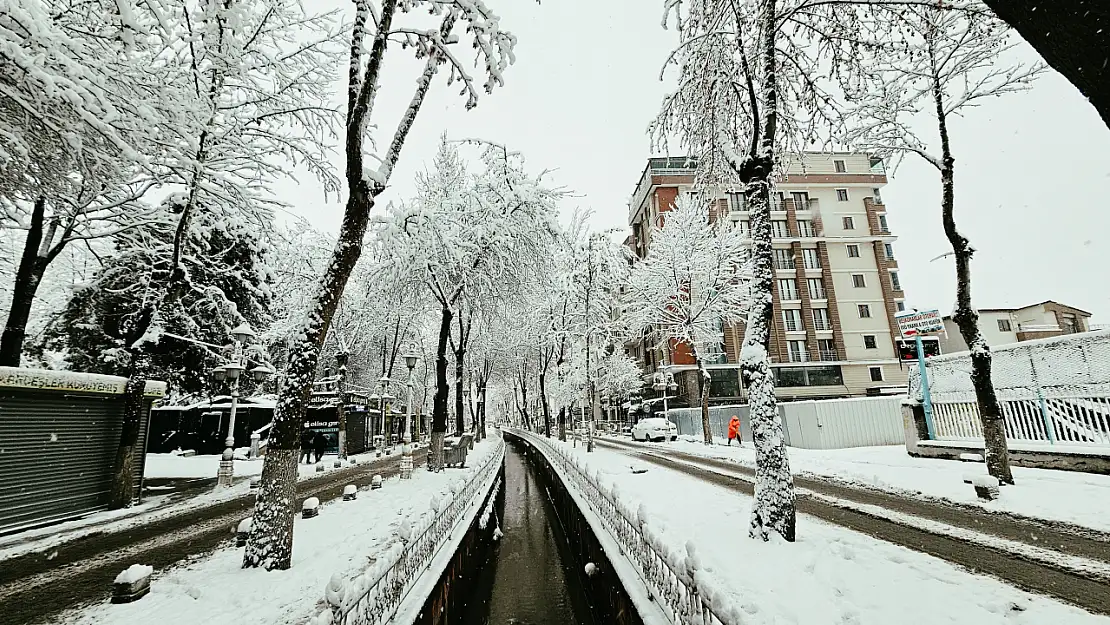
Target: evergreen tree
(229, 282)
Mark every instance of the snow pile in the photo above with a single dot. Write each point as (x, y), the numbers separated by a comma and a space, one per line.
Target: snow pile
(844, 577)
(134, 573)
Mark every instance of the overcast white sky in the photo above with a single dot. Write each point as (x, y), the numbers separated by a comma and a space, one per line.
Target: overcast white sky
(1032, 181)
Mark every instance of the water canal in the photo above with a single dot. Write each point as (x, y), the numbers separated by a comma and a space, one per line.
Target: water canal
(530, 578)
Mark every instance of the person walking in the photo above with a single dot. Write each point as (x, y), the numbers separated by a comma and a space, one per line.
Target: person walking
(734, 431)
(306, 446)
(319, 444)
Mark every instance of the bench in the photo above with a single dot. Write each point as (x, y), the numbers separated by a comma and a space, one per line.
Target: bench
(454, 455)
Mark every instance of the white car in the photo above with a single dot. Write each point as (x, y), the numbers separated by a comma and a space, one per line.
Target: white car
(654, 429)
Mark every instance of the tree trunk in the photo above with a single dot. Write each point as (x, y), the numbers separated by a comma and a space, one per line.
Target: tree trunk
(966, 317)
(1073, 37)
(595, 409)
(774, 507)
(524, 403)
(563, 423)
(271, 538)
(439, 400)
(546, 406)
(341, 406)
(460, 374)
(27, 279)
(122, 491)
(704, 382)
(482, 412)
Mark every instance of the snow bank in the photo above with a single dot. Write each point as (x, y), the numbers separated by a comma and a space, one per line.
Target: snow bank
(831, 575)
(1079, 498)
(334, 546)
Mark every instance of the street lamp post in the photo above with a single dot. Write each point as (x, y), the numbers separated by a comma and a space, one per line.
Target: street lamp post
(664, 381)
(406, 449)
(231, 371)
(341, 358)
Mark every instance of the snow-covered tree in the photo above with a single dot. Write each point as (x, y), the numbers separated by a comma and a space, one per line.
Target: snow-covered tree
(271, 539)
(470, 238)
(756, 82)
(228, 285)
(694, 279)
(951, 64)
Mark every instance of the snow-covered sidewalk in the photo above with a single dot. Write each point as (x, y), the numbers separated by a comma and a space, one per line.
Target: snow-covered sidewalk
(1079, 498)
(154, 506)
(830, 575)
(344, 540)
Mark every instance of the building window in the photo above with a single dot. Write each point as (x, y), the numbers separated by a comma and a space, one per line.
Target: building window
(816, 288)
(853, 250)
(1004, 325)
(827, 349)
(736, 202)
(869, 341)
(900, 306)
(877, 197)
(792, 319)
(849, 223)
(745, 227)
(895, 283)
(839, 166)
(864, 311)
(784, 259)
(828, 375)
(797, 351)
(801, 200)
(889, 249)
(882, 224)
(858, 280)
(821, 319)
(779, 229)
(876, 373)
(806, 229)
(788, 290)
(841, 195)
(810, 259)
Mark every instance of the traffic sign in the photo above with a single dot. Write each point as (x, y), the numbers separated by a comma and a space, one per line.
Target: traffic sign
(920, 322)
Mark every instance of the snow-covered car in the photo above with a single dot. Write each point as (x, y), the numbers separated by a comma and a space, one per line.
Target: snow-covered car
(654, 429)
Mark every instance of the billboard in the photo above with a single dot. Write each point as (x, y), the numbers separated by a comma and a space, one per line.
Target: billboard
(919, 322)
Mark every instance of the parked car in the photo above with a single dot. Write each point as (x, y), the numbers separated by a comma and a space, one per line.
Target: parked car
(654, 429)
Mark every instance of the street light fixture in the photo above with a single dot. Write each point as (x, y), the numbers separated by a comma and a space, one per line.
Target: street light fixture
(406, 433)
(231, 371)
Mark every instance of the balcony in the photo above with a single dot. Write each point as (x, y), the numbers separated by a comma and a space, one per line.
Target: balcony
(829, 355)
(821, 325)
(784, 263)
(795, 356)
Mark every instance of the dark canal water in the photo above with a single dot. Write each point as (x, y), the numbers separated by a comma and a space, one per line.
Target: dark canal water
(530, 579)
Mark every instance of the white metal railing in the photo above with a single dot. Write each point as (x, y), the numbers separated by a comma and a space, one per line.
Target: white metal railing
(671, 577)
(1065, 419)
(374, 596)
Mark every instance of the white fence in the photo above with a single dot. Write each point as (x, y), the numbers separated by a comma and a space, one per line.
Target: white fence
(815, 424)
(375, 595)
(683, 593)
(1051, 391)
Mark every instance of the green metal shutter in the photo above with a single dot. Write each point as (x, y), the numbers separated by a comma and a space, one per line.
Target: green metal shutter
(56, 454)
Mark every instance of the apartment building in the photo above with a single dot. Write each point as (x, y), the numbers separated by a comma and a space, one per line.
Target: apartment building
(836, 278)
(1000, 326)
